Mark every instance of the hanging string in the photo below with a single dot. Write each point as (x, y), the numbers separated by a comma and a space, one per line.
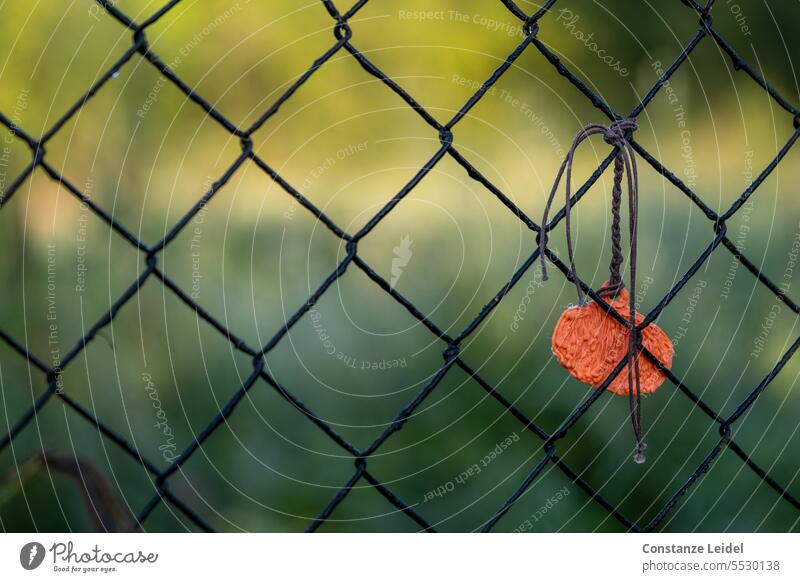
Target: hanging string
(624, 163)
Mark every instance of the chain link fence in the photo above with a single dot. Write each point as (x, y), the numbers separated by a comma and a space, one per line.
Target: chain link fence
(344, 42)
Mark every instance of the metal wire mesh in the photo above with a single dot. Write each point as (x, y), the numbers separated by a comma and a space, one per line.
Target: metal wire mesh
(343, 41)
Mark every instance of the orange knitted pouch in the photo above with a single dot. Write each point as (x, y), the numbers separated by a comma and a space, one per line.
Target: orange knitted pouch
(589, 344)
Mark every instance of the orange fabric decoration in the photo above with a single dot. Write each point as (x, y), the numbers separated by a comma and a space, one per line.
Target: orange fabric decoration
(589, 343)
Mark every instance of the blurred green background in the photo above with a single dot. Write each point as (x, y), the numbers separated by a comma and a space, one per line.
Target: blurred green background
(145, 153)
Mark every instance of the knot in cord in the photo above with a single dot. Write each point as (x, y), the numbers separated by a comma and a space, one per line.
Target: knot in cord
(615, 134)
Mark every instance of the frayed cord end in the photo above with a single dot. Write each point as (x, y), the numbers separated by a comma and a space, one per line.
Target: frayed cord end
(545, 276)
(639, 457)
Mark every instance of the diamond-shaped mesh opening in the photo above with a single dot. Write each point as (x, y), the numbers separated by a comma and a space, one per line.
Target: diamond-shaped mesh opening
(423, 46)
(607, 48)
(253, 470)
(461, 457)
(61, 246)
(339, 163)
(744, 504)
(81, 43)
(749, 127)
(748, 32)
(80, 465)
(233, 36)
(142, 396)
(356, 358)
(469, 253)
(639, 491)
(236, 258)
(148, 185)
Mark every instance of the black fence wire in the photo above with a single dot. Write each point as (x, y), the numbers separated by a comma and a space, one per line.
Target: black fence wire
(344, 41)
